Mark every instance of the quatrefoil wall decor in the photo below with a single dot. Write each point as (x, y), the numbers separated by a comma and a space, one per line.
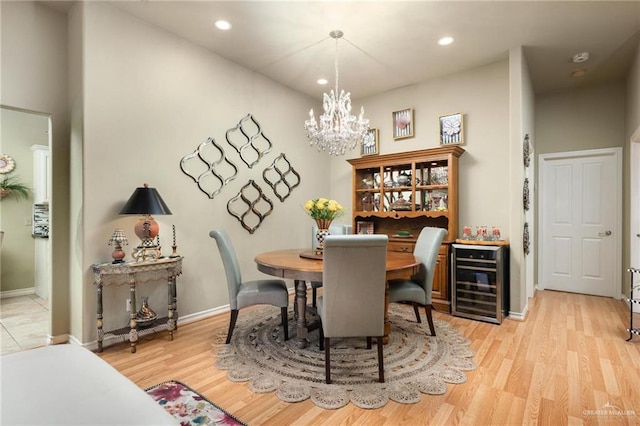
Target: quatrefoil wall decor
(209, 167)
(258, 206)
(249, 141)
(283, 177)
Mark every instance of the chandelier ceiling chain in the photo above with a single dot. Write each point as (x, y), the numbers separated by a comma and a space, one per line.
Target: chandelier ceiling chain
(339, 131)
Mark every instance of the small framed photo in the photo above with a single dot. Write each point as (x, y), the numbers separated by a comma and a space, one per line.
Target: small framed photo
(364, 227)
(403, 125)
(370, 144)
(451, 129)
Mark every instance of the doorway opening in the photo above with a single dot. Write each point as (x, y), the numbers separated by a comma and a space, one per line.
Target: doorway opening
(25, 250)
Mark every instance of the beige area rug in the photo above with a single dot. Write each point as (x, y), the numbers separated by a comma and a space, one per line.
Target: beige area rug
(415, 362)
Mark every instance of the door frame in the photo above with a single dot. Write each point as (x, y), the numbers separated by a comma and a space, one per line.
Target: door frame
(616, 285)
(634, 214)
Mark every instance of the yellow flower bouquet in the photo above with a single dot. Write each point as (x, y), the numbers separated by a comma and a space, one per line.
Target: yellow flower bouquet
(323, 209)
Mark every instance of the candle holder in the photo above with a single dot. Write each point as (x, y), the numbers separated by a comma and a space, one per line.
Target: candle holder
(174, 253)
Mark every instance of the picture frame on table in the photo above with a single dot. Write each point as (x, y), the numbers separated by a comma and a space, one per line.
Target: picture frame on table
(403, 124)
(371, 143)
(364, 227)
(452, 129)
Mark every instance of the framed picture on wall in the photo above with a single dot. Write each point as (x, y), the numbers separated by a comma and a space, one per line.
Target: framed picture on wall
(370, 144)
(403, 125)
(451, 129)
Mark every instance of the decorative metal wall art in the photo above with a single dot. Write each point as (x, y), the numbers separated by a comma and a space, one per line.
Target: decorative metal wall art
(281, 172)
(525, 238)
(526, 151)
(255, 206)
(525, 194)
(208, 173)
(249, 141)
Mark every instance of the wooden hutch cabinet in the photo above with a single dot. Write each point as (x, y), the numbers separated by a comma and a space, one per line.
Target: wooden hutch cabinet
(399, 194)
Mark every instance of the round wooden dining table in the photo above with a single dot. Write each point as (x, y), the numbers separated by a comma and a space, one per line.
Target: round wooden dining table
(302, 269)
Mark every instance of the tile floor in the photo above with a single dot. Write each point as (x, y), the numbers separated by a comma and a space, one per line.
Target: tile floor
(24, 321)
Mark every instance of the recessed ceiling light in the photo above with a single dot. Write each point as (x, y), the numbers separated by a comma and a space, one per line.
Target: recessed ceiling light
(223, 25)
(579, 73)
(580, 57)
(322, 81)
(445, 41)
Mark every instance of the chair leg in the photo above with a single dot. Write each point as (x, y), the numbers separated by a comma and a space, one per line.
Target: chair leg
(327, 361)
(285, 322)
(380, 360)
(427, 309)
(415, 309)
(314, 295)
(368, 342)
(321, 338)
(232, 324)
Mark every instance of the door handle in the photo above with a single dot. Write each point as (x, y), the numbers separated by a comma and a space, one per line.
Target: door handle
(604, 234)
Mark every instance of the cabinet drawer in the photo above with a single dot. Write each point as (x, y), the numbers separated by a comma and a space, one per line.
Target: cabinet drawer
(400, 246)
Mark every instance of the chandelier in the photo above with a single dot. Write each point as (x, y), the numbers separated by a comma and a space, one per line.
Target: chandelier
(339, 131)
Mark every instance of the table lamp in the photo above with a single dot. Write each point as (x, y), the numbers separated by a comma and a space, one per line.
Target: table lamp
(118, 239)
(146, 201)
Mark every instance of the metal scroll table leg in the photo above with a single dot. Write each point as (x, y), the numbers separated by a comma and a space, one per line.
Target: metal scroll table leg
(99, 317)
(301, 304)
(133, 333)
(172, 314)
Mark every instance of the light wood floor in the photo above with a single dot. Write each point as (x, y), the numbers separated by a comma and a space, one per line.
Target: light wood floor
(568, 363)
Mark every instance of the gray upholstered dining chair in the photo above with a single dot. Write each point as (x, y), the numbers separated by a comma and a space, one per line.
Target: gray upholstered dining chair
(418, 288)
(242, 294)
(352, 301)
(333, 230)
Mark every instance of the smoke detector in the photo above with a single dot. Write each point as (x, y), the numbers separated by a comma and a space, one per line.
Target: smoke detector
(580, 57)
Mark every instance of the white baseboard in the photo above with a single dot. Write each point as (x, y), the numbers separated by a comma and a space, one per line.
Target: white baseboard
(57, 340)
(19, 292)
(520, 316)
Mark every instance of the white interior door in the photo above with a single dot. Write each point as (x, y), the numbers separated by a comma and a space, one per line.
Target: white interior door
(580, 221)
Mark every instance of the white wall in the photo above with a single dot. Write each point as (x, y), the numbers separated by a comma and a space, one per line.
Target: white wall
(150, 98)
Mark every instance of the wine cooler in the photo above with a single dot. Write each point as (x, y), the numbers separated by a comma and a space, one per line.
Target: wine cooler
(480, 280)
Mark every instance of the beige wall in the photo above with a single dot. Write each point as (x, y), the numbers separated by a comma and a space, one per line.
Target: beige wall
(632, 126)
(581, 119)
(482, 95)
(150, 98)
(34, 77)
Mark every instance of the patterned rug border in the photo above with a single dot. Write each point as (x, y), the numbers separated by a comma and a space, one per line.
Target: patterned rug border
(205, 399)
(415, 362)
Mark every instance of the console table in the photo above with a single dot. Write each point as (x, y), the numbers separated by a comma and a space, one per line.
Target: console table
(134, 273)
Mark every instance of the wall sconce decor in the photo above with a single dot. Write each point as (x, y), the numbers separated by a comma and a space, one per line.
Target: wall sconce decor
(209, 167)
(283, 177)
(249, 141)
(257, 206)
(118, 239)
(146, 201)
